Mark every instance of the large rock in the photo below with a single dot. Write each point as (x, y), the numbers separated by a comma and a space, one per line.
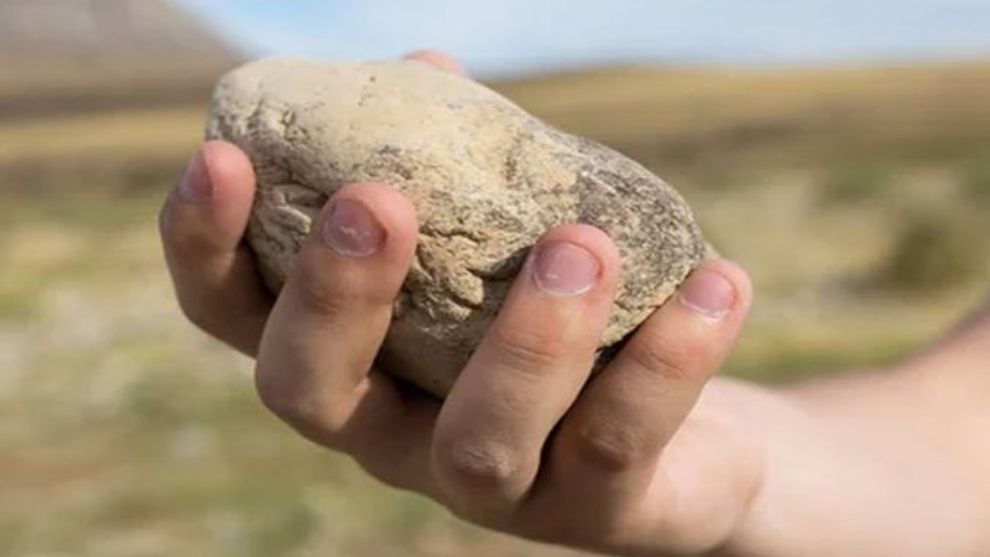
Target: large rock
(487, 179)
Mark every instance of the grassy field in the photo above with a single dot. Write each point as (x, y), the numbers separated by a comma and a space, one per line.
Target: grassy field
(859, 199)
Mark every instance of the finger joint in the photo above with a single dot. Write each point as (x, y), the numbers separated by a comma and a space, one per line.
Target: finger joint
(527, 350)
(660, 357)
(610, 448)
(307, 412)
(477, 467)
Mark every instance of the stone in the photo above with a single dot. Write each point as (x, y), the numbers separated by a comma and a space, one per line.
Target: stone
(486, 178)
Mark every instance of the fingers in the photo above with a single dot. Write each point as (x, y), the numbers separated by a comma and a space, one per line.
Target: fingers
(526, 372)
(314, 365)
(606, 452)
(437, 59)
(201, 227)
(202, 224)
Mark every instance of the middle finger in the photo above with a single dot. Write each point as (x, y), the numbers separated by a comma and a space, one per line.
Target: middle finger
(526, 372)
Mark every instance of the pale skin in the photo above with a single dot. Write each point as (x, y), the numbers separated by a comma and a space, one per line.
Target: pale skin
(652, 455)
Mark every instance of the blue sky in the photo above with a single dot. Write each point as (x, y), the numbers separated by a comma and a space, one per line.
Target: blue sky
(508, 36)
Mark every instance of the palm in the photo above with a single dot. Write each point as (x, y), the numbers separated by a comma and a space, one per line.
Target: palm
(708, 475)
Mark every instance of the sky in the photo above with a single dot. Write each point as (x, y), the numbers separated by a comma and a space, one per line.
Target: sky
(497, 37)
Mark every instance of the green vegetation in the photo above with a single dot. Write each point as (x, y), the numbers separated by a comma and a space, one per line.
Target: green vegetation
(856, 184)
(934, 252)
(976, 181)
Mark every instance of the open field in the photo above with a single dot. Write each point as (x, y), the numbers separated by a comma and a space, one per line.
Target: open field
(39, 86)
(858, 198)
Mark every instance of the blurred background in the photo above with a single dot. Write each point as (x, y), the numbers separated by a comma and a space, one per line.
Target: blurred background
(840, 150)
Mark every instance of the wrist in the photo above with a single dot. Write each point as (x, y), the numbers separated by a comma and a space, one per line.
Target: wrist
(860, 465)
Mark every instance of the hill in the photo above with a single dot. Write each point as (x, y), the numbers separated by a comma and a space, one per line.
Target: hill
(704, 117)
(106, 29)
(77, 55)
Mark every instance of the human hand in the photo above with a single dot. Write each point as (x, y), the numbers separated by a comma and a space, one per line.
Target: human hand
(526, 443)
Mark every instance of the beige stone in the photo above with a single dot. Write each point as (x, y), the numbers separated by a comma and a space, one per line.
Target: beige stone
(487, 179)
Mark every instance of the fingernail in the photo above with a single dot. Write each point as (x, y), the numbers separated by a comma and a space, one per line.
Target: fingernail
(352, 230)
(565, 269)
(195, 185)
(708, 293)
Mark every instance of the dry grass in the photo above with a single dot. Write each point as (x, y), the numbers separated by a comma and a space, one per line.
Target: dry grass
(976, 181)
(697, 117)
(119, 135)
(934, 252)
(37, 86)
(125, 432)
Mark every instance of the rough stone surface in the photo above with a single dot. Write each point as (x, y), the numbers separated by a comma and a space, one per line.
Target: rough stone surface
(487, 179)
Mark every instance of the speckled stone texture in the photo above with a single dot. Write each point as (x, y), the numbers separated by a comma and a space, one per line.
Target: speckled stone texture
(486, 178)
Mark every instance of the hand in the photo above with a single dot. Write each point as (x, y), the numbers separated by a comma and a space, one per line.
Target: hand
(518, 445)
(641, 459)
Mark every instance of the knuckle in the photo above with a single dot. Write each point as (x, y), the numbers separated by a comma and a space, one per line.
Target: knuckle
(305, 412)
(331, 288)
(474, 466)
(317, 292)
(664, 358)
(187, 238)
(187, 249)
(180, 236)
(199, 314)
(610, 448)
(527, 349)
